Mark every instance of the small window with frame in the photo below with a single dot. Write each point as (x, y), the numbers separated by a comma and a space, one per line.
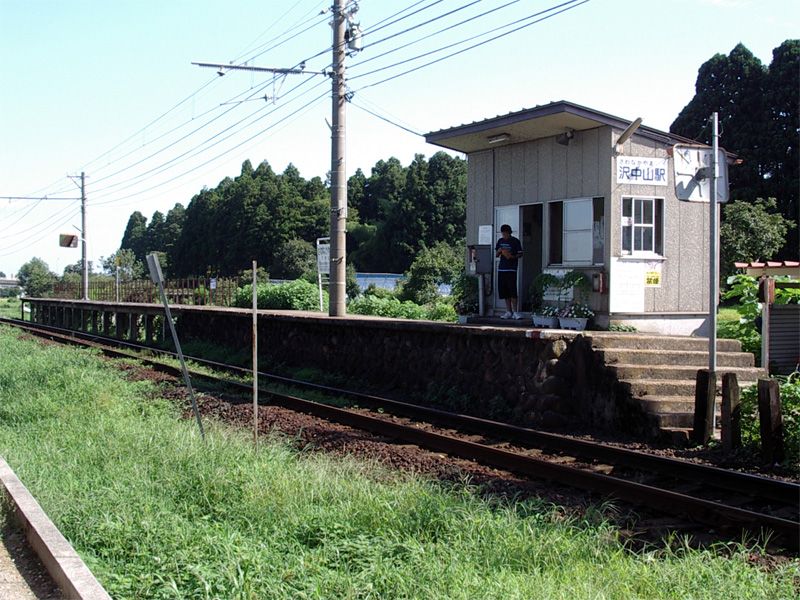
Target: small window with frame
(642, 226)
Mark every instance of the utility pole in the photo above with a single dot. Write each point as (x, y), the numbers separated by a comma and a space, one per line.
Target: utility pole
(337, 307)
(84, 257)
(346, 37)
(713, 278)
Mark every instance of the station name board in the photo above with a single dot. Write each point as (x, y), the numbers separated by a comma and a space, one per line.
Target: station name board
(642, 170)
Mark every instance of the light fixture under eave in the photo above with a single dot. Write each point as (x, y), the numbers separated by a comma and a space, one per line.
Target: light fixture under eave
(564, 138)
(500, 137)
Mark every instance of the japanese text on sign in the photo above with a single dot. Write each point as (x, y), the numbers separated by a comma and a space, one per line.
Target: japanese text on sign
(641, 170)
(652, 279)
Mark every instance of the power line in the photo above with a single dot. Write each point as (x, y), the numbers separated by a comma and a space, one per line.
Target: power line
(217, 156)
(199, 148)
(42, 198)
(435, 33)
(568, 6)
(382, 118)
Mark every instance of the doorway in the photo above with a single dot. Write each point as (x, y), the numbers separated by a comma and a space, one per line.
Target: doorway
(531, 238)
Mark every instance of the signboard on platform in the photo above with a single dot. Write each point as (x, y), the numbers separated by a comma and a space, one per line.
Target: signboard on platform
(68, 240)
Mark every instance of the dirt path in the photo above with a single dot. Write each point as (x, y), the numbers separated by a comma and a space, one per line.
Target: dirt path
(22, 576)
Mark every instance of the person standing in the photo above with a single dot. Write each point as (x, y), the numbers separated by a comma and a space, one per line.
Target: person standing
(509, 249)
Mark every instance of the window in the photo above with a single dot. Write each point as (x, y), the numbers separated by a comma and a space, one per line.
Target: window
(576, 231)
(642, 226)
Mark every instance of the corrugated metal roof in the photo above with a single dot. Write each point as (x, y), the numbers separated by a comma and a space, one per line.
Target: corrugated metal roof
(561, 113)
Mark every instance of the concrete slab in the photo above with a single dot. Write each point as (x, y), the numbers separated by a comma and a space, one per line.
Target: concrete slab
(57, 555)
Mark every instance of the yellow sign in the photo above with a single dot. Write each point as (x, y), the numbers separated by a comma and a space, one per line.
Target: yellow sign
(652, 279)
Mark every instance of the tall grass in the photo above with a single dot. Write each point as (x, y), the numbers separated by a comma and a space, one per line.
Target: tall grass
(157, 513)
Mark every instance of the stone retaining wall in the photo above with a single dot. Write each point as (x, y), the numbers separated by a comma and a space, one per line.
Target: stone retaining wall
(523, 377)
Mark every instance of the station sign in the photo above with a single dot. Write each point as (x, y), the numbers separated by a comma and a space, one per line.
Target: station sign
(68, 240)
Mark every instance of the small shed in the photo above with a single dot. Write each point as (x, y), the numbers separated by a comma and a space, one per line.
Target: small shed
(585, 190)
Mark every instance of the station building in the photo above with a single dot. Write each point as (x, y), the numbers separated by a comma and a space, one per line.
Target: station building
(584, 190)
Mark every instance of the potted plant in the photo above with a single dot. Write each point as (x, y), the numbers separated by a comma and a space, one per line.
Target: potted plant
(546, 316)
(465, 296)
(543, 316)
(575, 316)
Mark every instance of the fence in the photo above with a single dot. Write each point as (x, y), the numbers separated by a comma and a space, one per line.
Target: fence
(189, 290)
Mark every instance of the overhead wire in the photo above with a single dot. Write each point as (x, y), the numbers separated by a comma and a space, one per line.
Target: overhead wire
(307, 105)
(203, 146)
(429, 36)
(567, 6)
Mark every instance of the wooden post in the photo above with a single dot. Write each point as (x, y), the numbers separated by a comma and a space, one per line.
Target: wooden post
(731, 426)
(133, 328)
(769, 417)
(119, 325)
(148, 329)
(705, 391)
(106, 323)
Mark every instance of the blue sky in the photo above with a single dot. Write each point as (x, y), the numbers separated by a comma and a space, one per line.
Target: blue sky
(109, 88)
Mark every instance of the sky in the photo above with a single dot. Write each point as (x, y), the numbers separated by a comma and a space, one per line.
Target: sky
(108, 89)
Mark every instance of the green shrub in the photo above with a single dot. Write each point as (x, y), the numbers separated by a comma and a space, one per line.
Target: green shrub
(293, 295)
(790, 413)
(386, 307)
(432, 266)
(465, 294)
(442, 311)
(378, 292)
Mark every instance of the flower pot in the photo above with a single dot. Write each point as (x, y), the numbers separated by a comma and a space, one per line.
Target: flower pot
(579, 324)
(462, 319)
(545, 321)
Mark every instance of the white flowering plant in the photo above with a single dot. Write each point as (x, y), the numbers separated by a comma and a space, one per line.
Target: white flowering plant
(548, 311)
(577, 310)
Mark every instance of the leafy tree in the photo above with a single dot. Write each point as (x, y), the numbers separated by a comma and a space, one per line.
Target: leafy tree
(2, 274)
(155, 233)
(441, 263)
(129, 266)
(750, 232)
(757, 106)
(36, 278)
(293, 259)
(135, 236)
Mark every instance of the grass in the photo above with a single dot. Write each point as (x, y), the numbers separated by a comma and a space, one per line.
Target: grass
(9, 307)
(157, 513)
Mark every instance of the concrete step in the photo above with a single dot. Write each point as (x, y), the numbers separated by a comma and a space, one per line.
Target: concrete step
(639, 341)
(667, 404)
(698, 359)
(661, 387)
(744, 375)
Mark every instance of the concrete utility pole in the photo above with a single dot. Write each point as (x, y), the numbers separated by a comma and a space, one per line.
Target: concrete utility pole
(85, 262)
(337, 307)
(713, 279)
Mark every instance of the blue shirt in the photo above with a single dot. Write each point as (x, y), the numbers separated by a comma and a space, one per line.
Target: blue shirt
(514, 246)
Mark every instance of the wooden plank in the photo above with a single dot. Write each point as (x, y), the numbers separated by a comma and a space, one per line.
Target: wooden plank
(731, 426)
(704, 397)
(770, 423)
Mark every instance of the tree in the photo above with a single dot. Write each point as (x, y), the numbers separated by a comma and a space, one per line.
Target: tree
(36, 278)
(441, 263)
(750, 232)
(293, 259)
(129, 266)
(135, 236)
(155, 233)
(2, 274)
(759, 120)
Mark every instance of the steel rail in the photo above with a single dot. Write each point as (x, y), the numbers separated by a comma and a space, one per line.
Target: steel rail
(759, 486)
(707, 511)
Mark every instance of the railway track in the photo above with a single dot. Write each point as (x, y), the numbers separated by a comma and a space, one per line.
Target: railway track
(727, 500)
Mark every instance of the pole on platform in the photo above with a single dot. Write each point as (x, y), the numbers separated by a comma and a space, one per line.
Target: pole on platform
(158, 279)
(255, 358)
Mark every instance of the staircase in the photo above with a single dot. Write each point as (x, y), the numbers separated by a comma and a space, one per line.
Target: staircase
(657, 374)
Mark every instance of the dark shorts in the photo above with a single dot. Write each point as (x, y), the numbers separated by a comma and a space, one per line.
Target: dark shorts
(507, 284)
